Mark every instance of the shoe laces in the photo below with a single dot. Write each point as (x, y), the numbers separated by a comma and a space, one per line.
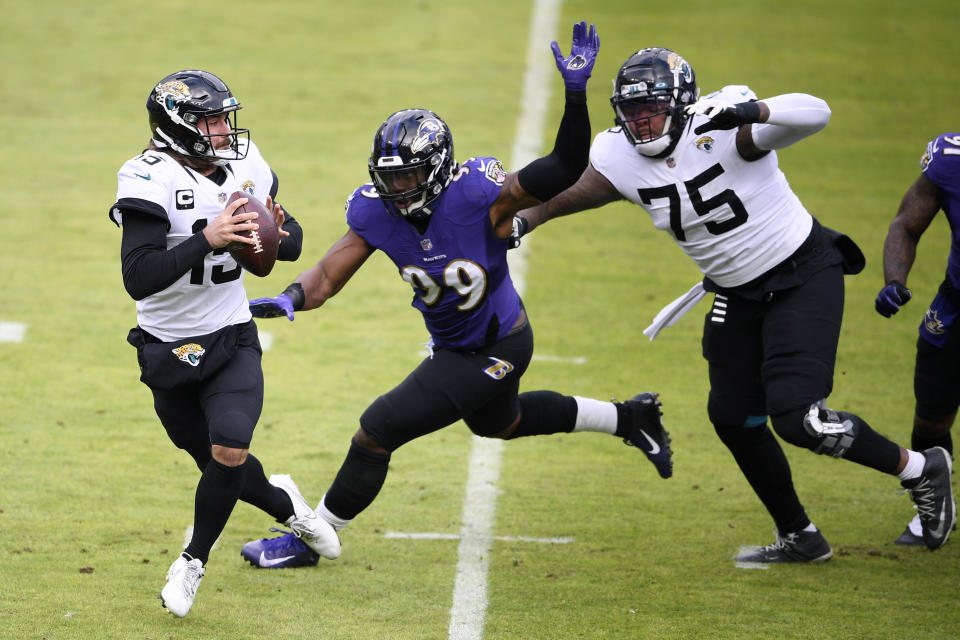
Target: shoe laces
(191, 579)
(299, 527)
(924, 499)
(783, 543)
(285, 544)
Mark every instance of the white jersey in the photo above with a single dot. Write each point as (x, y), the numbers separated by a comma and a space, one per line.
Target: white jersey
(210, 296)
(735, 219)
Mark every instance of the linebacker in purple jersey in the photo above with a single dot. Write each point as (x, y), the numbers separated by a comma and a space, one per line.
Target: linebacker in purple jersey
(936, 381)
(706, 172)
(447, 227)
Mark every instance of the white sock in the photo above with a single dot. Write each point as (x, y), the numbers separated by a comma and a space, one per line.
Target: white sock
(336, 522)
(810, 528)
(595, 415)
(914, 466)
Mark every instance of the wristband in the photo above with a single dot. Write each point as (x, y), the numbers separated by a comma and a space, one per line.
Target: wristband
(296, 295)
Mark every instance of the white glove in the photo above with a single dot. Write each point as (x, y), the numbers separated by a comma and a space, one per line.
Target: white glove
(709, 107)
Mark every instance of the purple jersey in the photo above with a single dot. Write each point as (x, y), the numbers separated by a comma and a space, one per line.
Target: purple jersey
(941, 164)
(458, 266)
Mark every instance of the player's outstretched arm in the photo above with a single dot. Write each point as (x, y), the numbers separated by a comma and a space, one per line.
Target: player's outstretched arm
(918, 207)
(545, 177)
(766, 125)
(590, 191)
(321, 282)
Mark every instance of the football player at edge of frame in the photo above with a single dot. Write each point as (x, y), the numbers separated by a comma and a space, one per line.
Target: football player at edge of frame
(936, 379)
(447, 228)
(706, 172)
(197, 344)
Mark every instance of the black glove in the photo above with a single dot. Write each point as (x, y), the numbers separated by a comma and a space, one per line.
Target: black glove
(724, 115)
(520, 226)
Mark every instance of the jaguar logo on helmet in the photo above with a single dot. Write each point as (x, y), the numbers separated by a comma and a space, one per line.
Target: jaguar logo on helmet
(169, 94)
(189, 353)
(430, 131)
(174, 88)
(676, 62)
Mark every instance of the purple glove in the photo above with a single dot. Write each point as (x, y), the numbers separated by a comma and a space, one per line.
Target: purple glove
(891, 298)
(583, 53)
(272, 307)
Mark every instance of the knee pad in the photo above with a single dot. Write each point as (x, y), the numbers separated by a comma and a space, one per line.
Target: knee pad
(232, 429)
(358, 482)
(835, 431)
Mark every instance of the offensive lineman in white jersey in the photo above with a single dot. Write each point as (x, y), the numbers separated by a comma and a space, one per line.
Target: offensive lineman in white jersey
(196, 341)
(706, 171)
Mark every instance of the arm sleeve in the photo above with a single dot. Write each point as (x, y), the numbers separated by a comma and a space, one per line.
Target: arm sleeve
(546, 177)
(292, 245)
(148, 266)
(793, 117)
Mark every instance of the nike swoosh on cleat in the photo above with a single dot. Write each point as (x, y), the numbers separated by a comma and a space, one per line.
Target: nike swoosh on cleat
(654, 447)
(145, 177)
(266, 562)
(938, 532)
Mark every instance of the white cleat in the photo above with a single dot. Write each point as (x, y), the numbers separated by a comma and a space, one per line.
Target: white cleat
(316, 533)
(183, 579)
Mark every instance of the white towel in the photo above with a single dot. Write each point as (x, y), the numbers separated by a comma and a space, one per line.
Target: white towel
(669, 315)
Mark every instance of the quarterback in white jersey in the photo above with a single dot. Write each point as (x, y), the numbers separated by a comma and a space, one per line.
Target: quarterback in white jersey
(196, 341)
(209, 295)
(706, 171)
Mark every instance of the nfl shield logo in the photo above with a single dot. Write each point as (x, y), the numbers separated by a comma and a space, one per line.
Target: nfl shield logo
(426, 244)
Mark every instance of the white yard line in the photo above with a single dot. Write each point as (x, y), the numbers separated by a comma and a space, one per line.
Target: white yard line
(454, 536)
(563, 359)
(12, 331)
(744, 550)
(469, 610)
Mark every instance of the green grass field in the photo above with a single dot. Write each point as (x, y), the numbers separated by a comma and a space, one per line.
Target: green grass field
(94, 500)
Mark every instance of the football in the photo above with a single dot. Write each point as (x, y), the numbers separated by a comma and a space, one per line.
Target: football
(257, 258)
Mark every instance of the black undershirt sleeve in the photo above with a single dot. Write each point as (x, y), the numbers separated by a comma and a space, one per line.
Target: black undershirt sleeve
(546, 177)
(291, 246)
(148, 266)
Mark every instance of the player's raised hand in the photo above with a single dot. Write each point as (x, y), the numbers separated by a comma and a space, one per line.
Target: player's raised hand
(576, 68)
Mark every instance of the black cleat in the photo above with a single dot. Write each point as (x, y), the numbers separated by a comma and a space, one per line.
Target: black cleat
(933, 495)
(646, 431)
(800, 546)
